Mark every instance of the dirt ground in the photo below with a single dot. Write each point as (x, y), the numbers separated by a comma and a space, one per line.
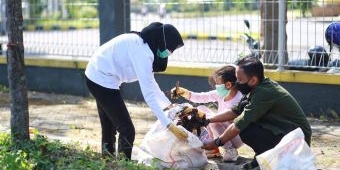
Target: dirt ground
(72, 118)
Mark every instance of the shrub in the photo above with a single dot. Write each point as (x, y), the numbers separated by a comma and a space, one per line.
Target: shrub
(40, 153)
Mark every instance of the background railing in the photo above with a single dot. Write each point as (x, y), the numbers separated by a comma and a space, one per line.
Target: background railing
(212, 29)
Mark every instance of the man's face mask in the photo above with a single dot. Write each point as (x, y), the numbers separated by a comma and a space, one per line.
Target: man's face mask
(243, 88)
(221, 90)
(166, 53)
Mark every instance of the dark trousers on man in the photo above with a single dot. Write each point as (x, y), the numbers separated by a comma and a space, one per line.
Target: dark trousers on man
(114, 117)
(259, 138)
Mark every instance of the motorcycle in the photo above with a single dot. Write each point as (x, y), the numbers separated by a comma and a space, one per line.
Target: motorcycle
(319, 59)
(253, 45)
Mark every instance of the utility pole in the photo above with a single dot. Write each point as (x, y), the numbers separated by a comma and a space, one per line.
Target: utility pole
(114, 18)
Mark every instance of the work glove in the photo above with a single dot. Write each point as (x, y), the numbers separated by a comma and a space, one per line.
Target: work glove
(180, 91)
(189, 110)
(205, 122)
(200, 117)
(179, 133)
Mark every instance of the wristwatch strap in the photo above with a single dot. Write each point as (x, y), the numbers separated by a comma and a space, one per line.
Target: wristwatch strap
(218, 142)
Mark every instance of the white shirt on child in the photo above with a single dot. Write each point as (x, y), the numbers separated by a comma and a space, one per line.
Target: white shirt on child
(213, 96)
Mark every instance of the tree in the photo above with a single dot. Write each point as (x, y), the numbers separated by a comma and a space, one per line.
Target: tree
(16, 72)
(270, 31)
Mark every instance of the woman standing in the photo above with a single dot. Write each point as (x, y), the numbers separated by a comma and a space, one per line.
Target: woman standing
(127, 58)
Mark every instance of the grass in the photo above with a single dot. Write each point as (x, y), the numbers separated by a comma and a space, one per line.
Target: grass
(4, 89)
(40, 153)
(327, 115)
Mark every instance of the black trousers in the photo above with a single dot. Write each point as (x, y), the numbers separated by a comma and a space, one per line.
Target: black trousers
(259, 138)
(114, 117)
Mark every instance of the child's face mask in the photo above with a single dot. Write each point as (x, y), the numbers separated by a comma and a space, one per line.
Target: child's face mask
(221, 90)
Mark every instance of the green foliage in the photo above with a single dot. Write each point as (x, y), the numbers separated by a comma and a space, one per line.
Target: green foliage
(12, 159)
(36, 8)
(40, 153)
(87, 12)
(78, 9)
(302, 5)
(4, 89)
(329, 114)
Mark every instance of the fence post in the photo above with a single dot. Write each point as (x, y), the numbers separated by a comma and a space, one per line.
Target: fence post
(282, 35)
(114, 18)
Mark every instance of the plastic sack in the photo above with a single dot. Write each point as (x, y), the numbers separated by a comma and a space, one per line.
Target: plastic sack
(169, 151)
(291, 153)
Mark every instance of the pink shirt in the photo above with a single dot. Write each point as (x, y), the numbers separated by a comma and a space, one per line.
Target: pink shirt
(212, 96)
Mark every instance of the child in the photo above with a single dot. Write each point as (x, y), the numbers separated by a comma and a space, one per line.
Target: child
(226, 95)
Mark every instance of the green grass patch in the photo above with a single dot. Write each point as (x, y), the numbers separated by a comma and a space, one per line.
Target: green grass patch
(4, 89)
(41, 153)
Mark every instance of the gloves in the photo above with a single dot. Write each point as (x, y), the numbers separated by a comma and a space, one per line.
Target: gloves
(179, 133)
(206, 122)
(181, 92)
(189, 110)
(200, 117)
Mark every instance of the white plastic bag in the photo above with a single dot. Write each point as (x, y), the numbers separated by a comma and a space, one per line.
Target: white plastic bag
(171, 152)
(291, 153)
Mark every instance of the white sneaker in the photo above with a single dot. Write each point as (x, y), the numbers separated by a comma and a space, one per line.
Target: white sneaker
(230, 155)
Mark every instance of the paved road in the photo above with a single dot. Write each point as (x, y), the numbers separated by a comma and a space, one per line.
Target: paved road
(301, 34)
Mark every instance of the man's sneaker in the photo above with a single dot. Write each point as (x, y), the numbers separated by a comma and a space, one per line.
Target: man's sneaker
(250, 165)
(213, 153)
(230, 155)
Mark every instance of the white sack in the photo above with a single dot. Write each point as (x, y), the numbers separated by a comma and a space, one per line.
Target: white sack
(171, 152)
(291, 153)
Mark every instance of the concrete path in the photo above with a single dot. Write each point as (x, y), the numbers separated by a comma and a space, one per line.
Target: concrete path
(71, 118)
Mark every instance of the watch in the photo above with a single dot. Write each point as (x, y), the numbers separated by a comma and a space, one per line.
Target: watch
(218, 142)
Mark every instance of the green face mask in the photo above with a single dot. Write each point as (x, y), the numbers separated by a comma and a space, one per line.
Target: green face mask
(164, 54)
(221, 90)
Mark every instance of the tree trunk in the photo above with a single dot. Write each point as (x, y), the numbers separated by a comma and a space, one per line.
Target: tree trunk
(270, 31)
(16, 72)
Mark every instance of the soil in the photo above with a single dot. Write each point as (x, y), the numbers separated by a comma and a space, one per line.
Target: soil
(74, 119)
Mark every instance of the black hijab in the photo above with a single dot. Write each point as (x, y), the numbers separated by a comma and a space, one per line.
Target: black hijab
(153, 36)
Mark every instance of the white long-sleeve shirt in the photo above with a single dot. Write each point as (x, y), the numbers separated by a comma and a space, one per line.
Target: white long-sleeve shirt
(126, 58)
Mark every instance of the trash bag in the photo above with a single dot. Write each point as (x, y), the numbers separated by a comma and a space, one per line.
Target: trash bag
(292, 152)
(161, 148)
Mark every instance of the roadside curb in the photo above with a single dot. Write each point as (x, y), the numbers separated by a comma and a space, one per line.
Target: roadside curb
(189, 70)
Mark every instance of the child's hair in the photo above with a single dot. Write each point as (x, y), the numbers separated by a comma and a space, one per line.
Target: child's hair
(227, 73)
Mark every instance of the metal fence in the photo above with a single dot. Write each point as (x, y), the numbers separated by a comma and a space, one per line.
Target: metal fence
(213, 30)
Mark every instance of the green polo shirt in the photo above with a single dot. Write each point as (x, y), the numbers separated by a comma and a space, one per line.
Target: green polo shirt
(274, 108)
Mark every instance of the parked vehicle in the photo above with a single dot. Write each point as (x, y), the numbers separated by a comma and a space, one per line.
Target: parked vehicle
(319, 58)
(253, 45)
